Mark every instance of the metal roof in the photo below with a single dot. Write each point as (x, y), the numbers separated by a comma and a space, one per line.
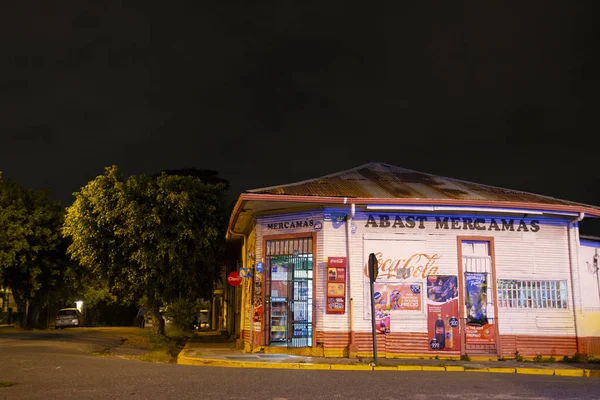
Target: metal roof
(382, 181)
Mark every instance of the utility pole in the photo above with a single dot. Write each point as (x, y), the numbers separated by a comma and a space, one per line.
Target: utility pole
(373, 272)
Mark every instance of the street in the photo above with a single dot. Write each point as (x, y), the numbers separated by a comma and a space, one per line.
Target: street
(60, 364)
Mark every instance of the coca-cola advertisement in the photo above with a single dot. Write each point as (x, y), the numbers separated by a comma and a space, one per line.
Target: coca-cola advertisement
(442, 313)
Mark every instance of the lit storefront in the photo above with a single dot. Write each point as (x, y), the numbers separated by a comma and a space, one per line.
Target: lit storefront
(463, 268)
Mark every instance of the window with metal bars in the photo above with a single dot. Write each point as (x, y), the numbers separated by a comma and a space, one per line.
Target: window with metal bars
(532, 293)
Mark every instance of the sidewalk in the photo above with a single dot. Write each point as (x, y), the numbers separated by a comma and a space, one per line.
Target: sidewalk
(215, 350)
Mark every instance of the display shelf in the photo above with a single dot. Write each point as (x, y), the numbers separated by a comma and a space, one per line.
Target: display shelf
(278, 321)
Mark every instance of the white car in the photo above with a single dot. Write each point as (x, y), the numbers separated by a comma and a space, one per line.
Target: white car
(68, 317)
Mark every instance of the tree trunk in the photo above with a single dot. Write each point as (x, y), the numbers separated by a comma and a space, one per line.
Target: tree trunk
(33, 314)
(159, 324)
(21, 309)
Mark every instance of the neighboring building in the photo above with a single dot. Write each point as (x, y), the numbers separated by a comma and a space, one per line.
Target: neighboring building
(589, 263)
(464, 268)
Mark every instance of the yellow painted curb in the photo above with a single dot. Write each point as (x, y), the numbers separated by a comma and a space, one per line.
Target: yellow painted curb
(535, 371)
(315, 366)
(183, 360)
(454, 368)
(591, 372)
(475, 358)
(429, 368)
(568, 372)
(476, 370)
(358, 367)
(385, 368)
(502, 370)
(410, 368)
(268, 365)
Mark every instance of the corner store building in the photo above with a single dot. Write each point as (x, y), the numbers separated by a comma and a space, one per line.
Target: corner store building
(504, 270)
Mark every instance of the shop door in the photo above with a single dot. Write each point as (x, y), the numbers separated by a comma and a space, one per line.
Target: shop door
(480, 336)
(289, 292)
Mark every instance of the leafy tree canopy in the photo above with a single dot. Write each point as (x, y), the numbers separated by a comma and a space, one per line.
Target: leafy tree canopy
(30, 253)
(157, 238)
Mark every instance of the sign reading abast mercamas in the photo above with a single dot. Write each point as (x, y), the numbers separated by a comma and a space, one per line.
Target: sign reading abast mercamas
(462, 223)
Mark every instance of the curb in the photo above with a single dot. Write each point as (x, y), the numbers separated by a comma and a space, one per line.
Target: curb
(182, 359)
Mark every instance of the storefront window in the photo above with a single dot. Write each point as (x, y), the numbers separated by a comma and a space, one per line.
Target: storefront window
(289, 291)
(532, 294)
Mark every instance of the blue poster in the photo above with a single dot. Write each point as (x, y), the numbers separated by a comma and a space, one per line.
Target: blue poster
(476, 298)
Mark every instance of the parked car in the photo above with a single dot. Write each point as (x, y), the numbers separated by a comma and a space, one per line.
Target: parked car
(68, 317)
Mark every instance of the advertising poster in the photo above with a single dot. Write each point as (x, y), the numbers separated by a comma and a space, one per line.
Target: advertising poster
(336, 274)
(382, 308)
(335, 289)
(336, 285)
(258, 303)
(403, 266)
(404, 296)
(442, 313)
(279, 269)
(476, 298)
(478, 329)
(336, 305)
(480, 334)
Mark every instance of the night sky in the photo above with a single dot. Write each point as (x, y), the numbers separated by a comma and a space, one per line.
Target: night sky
(268, 93)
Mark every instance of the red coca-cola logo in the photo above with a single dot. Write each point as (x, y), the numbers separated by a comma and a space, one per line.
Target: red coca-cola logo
(337, 260)
(234, 278)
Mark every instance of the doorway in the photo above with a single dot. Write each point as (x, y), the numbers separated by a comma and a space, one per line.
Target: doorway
(478, 291)
(289, 291)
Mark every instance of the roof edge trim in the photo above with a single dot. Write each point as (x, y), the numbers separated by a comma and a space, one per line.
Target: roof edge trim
(401, 201)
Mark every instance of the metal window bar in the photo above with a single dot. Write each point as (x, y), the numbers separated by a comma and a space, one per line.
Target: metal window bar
(531, 294)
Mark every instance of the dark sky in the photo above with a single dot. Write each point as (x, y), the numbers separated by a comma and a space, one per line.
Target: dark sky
(266, 93)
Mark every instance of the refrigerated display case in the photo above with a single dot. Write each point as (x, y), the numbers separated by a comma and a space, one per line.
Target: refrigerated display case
(279, 319)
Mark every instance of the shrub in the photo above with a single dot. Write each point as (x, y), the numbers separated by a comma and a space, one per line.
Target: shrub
(538, 359)
(182, 313)
(158, 356)
(518, 356)
(577, 358)
(465, 357)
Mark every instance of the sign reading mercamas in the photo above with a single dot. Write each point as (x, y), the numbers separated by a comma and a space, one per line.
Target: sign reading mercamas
(463, 223)
(307, 223)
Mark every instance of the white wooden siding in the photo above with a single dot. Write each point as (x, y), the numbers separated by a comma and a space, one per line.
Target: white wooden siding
(590, 289)
(318, 265)
(539, 255)
(542, 255)
(334, 245)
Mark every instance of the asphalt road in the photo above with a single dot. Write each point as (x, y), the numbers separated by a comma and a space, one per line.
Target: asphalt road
(60, 364)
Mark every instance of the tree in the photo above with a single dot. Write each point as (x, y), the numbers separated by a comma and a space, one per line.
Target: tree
(155, 238)
(205, 175)
(30, 254)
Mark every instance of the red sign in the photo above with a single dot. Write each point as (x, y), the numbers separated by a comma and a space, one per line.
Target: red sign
(442, 313)
(234, 278)
(484, 334)
(336, 285)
